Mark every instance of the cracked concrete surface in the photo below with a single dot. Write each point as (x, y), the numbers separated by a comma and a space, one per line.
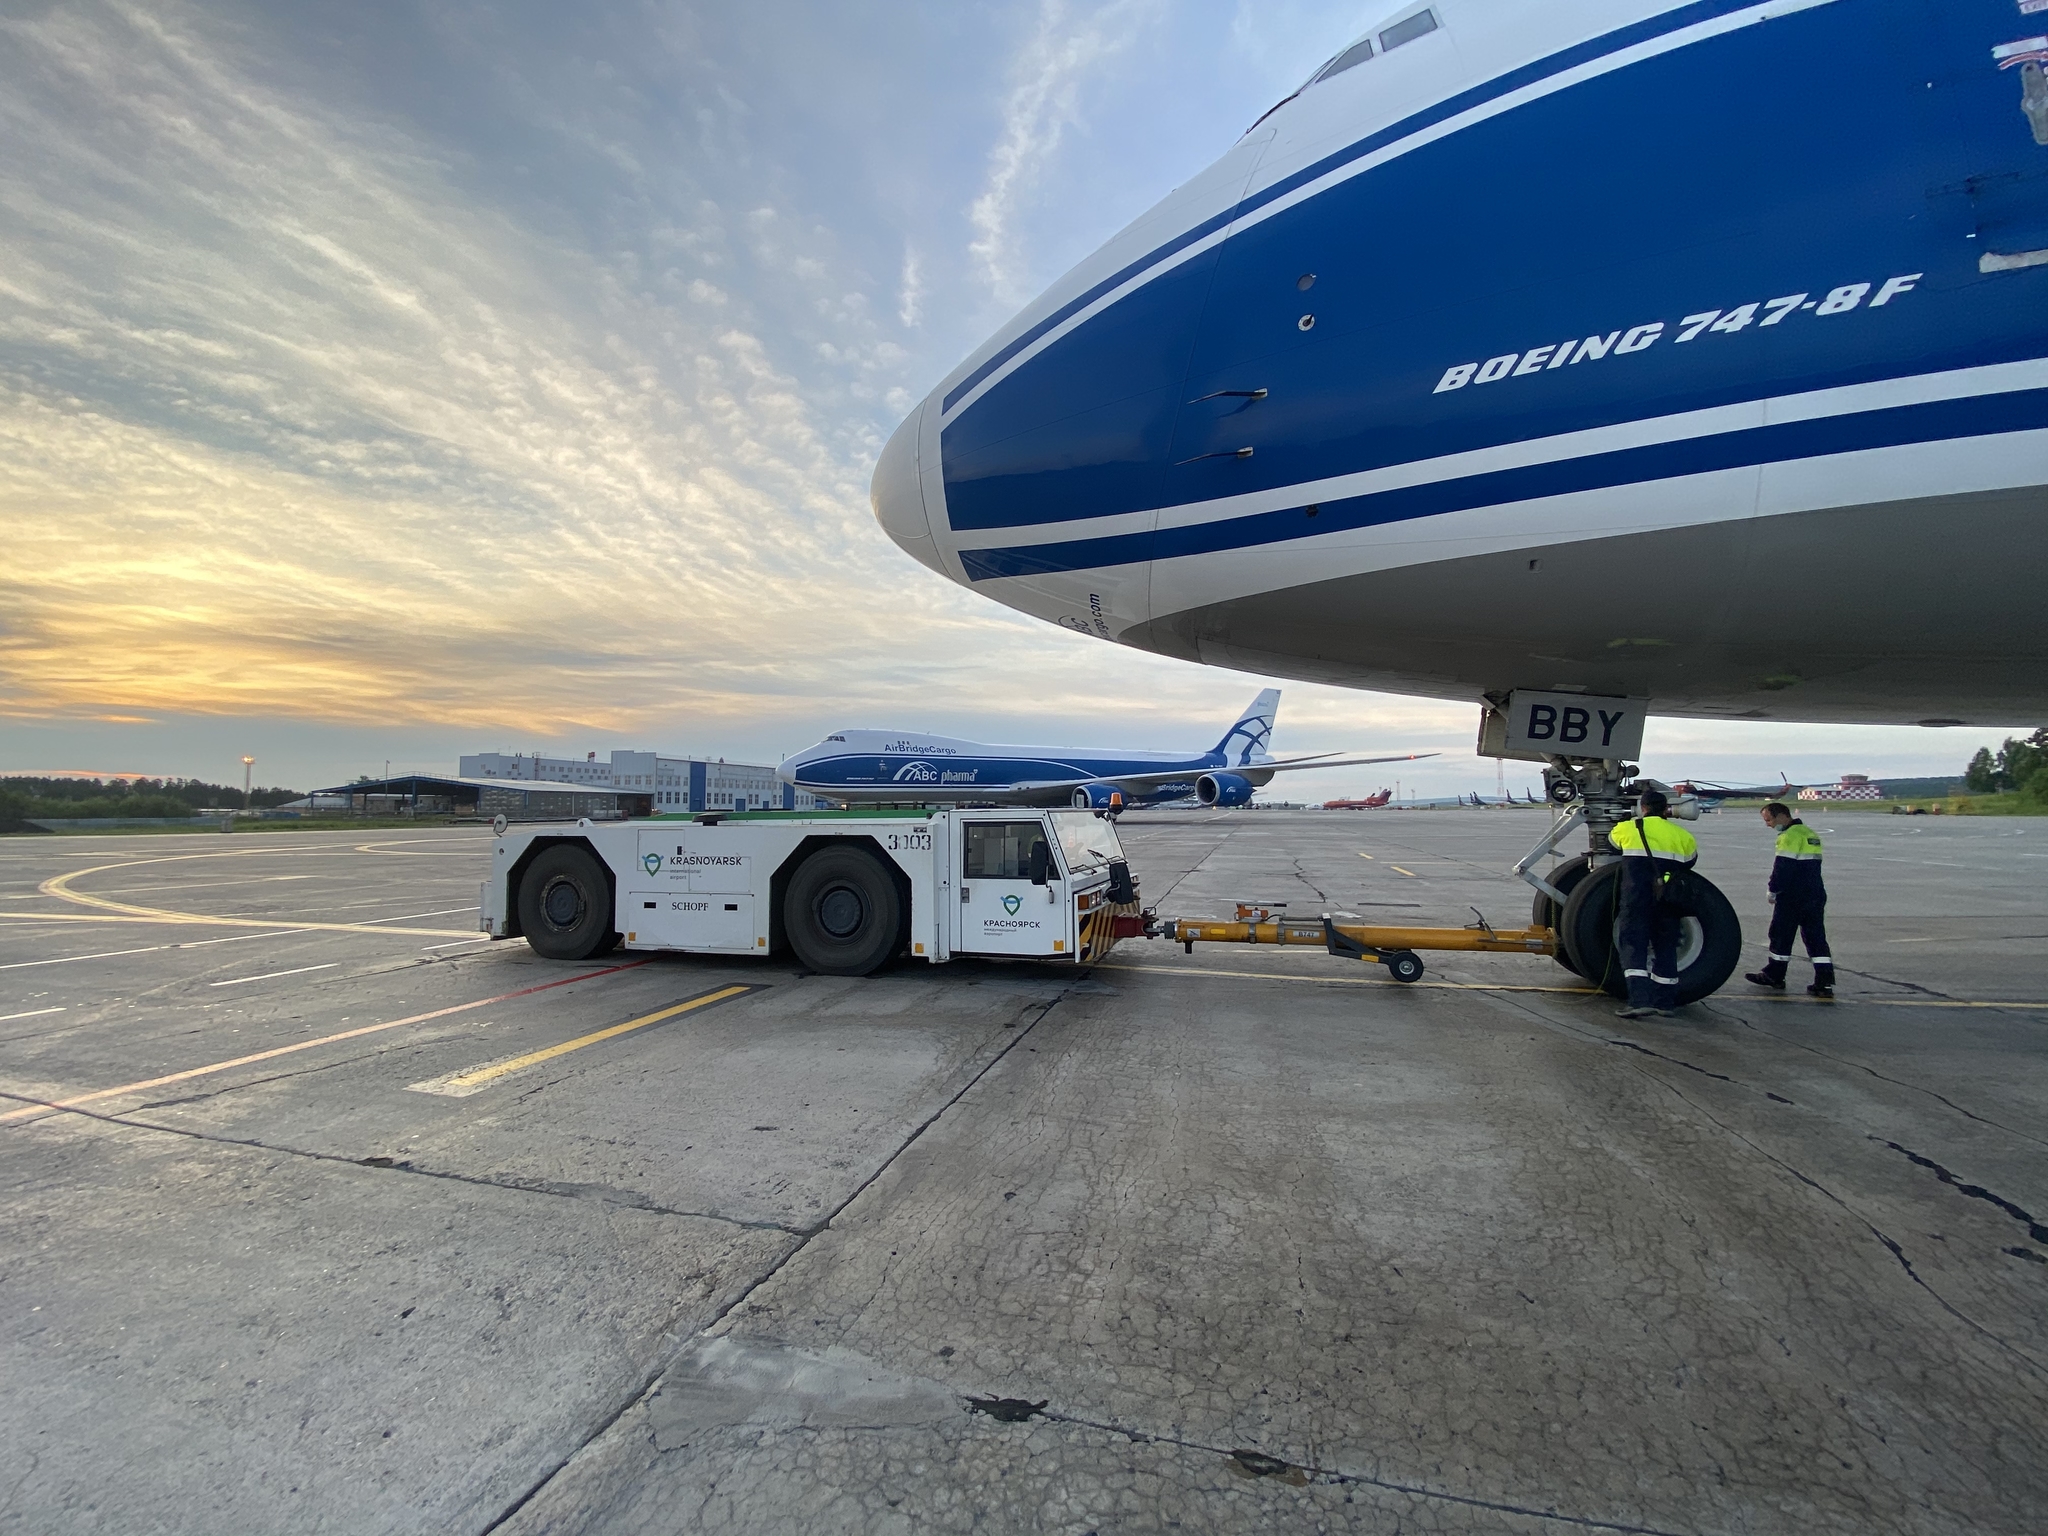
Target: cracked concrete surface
(1274, 1243)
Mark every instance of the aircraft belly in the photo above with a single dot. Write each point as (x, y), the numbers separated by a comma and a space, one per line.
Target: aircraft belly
(1746, 619)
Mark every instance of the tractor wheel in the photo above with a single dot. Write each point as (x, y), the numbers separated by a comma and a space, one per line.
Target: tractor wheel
(843, 913)
(565, 904)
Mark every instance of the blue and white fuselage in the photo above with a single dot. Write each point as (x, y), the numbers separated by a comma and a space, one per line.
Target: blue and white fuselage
(1696, 352)
(896, 766)
(892, 766)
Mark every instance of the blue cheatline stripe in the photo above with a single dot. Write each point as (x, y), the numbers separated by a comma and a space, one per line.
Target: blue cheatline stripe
(1450, 106)
(1932, 421)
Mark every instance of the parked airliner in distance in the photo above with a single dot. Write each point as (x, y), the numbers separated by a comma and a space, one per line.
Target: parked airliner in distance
(869, 767)
(1369, 803)
(1694, 353)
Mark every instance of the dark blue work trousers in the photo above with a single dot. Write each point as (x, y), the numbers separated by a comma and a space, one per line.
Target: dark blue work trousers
(1804, 919)
(1648, 943)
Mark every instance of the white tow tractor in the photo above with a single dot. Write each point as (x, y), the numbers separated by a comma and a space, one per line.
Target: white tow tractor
(845, 891)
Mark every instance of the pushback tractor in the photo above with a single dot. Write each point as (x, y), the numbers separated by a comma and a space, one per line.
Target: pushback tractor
(843, 892)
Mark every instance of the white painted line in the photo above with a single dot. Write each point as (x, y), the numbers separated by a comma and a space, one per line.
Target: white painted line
(370, 921)
(482, 938)
(33, 1013)
(147, 949)
(105, 954)
(273, 975)
(36, 1110)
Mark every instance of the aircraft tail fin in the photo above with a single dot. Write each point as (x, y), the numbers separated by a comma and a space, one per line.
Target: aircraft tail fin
(1249, 738)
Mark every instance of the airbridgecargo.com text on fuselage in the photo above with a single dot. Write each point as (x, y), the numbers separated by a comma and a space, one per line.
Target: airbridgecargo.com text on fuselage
(1690, 353)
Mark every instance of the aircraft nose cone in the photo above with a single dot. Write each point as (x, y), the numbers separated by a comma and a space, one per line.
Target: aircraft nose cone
(897, 494)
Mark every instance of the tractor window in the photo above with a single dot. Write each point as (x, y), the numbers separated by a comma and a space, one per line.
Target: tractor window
(1089, 841)
(1001, 850)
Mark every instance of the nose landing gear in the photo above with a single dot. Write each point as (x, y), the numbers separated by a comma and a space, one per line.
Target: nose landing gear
(1577, 899)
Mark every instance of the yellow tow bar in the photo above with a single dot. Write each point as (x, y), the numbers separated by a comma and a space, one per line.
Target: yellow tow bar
(1392, 947)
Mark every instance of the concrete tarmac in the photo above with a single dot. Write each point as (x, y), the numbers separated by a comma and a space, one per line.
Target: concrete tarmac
(347, 1223)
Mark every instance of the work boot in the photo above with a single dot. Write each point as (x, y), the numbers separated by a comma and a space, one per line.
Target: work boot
(1824, 990)
(1634, 1011)
(1766, 979)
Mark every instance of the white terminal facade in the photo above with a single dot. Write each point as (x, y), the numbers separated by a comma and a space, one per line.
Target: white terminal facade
(671, 784)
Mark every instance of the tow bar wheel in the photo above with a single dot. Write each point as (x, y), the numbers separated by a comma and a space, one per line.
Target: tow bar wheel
(1404, 965)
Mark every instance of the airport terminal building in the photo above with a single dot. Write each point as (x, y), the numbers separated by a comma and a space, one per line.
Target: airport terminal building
(529, 787)
(665, 784)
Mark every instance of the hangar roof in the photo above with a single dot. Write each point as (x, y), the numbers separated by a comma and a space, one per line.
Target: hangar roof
(443, 783)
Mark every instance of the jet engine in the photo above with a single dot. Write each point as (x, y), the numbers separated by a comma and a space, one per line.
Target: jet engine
(1224, 789)
(1094, 797)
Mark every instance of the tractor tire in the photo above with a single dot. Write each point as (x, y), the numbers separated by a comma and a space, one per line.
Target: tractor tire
(1709, 942)
(843, 913)
(565, 904)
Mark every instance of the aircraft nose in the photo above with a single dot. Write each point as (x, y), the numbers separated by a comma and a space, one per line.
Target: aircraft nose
(897, 494)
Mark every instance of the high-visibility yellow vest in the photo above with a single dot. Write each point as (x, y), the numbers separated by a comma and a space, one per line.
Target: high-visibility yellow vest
(1799, 841)
(1666, 841)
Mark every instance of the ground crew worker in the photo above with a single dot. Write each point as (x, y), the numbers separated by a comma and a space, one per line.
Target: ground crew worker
(1651, 847)
(1798, 904)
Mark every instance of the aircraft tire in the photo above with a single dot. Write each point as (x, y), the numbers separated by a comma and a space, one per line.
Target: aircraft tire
(843, 913)
(1544, 913)
(1708, 949)
(565, 904)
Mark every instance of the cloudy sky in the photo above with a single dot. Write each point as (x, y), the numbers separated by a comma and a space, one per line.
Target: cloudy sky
(390, 380)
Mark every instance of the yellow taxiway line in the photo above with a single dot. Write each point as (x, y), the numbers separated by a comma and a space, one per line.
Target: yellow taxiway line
(195, 919)
(468, 1082)
(213, 1067)
(1915, 1002)
(1347, 981)
(59, 888)
(1492, 986)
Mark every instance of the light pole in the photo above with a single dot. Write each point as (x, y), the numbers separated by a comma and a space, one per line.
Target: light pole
(247, 764)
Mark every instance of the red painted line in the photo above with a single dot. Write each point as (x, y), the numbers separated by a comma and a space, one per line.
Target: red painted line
(307, 1045)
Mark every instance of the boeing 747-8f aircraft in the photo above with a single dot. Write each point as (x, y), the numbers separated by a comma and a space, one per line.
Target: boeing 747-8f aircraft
(1695, 354)
(895, 766)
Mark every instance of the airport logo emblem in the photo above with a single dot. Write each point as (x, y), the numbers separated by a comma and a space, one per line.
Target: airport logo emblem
(1012, 903)
(653, 863)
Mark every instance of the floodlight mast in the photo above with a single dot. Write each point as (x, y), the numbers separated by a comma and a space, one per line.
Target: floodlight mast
(248, 763)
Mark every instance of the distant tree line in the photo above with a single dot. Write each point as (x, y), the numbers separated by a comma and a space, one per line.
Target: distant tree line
(2018, 765)
(72, 799)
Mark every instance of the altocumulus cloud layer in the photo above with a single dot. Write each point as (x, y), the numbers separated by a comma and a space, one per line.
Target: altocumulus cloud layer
(352, 362)
(296, 423)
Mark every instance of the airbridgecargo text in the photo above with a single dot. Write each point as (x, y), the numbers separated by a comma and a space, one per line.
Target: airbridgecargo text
(1562, 354)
